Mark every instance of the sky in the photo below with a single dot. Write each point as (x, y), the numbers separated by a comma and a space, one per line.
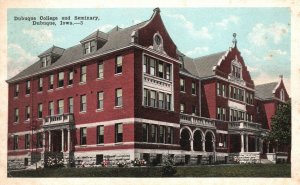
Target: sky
(263, 34)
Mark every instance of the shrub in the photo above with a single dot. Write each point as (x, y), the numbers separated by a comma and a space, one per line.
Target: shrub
(168, 169)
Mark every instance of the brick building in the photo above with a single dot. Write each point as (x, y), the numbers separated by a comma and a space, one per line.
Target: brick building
(129, 93)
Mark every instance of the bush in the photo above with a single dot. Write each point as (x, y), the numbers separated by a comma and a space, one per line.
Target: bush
(168, 169)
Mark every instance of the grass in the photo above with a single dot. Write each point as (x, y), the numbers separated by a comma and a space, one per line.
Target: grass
(256, 170)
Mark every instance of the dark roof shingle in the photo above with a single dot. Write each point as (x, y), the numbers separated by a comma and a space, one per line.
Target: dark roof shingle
(265, 91)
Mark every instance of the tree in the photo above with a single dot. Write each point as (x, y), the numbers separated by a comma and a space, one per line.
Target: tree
(281, 125)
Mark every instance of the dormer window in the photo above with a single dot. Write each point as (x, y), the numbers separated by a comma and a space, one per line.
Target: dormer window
(51, 55)
(90, 47)
(46, 61)
(236, 69)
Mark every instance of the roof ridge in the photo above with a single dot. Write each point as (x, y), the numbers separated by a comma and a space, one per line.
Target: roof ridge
(209, 55)
(266, 84)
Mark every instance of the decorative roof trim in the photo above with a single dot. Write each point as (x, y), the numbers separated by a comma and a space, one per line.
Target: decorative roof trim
(277, 86)
(224, 56)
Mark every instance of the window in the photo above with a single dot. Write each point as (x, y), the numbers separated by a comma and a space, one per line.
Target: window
(194, 110)
(282, 98)
(27, 112)
(223, 90)
(236, 71)
(83, 136)
(161, 134)
(152, 66)
(160, 70)
(90, 47)
(100, 70)
(16, 142)
(169, 135)
(182, 108)
(145, 132)
(161, 103)
(168, 102)
(40, 110)
(83, 74)
(51, 108)
(16, 115)
(60, 79)
(16, 90)
(193, 88)
(221, 113)
(39, 140)
(83, 103)
(219, 89)
(182, 85)
(152, 98)
(46, 61)
(60, 108)
(27, 87)
(118, 97)
(27, 141)
(168, 71)
(119, 132)
(251, 98)
(153, 133)
(146, 97)
(70, 77)
(100, 100)
(70, 108)
(40, 84)
(118, 62)
(51, 81)
(146, 65)
(222, 140)
(100, 134)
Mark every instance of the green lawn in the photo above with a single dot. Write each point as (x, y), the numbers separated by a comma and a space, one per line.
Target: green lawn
(256, 170)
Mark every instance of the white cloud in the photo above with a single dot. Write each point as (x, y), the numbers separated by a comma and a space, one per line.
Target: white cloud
(274, 53)
(42, 36)
(106, 27)
(261, 33)
(203, 32)
(229, 20)
(197, 51)
(246, 51)
(20, 60)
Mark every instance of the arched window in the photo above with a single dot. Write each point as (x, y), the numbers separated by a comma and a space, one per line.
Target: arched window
(282, 95)
(236, 69)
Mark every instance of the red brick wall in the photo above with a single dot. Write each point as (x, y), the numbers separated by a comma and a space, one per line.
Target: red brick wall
(208, 98)
(187, 97)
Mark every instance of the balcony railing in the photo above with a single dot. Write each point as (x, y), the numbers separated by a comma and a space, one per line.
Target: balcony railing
(157, 83)
(58, 119)
(196, 120)
(238, 125)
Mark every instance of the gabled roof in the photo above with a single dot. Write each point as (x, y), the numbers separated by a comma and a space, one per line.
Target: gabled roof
(95, 35)
(54, 49)
(116, 38)
(265, 91)
(203, 66)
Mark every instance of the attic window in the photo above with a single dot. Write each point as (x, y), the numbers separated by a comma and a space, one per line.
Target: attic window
(282, 95)
(90, 47)
(46, 61)
(236, 69)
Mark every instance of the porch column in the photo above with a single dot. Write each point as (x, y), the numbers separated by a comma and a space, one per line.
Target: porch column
(256, 144)
(44, 142)
(192, 144)
(261, 145)
(214, 145)
(69, 139)
(242, 142)
(203, 145)
(49, 142)
(247, 144)
(62, 140)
